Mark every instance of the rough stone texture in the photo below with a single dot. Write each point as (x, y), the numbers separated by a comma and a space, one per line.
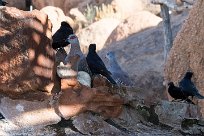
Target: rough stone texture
(173, 113)
(56, 16)
(36, 110)
(99, 80)
(97, 33)
(25, 114)
(26, 56)
(136, 23)
(127, 9)
(20, 4)
(153, 8)
(94, 125)
(187, 51)
(76, 98)
(164, 118)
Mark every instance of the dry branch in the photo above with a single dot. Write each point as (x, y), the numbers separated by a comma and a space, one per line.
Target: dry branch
(172, 4)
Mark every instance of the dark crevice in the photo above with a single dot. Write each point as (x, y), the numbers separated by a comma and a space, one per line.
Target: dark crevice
(186, 123)
(112, 123)
(68, 123)
(148, 114)
(1, 116)
(60, 127)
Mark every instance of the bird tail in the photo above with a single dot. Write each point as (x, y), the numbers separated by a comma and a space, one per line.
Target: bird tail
(199, 96)
(189, 101)
(111, 79)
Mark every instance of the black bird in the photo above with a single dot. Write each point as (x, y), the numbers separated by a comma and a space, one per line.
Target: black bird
(176, 93)
(60, 36)
(3, 3)
(188, 87)
(96, 64)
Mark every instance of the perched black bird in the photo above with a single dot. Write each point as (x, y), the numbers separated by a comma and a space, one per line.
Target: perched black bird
(188, 87)
(3, 3)
(176, 93)
(59, 38)
(96, 64)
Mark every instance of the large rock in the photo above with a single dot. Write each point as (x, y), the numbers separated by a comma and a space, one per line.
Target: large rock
(153, 8)
(56, 16)
(138, 22)
(163, 118)
(97, 33)
(95, 125)
(20, 4)
(173, 113)
(25, 114)
(187, 51)
(127, 9)
(26, 55)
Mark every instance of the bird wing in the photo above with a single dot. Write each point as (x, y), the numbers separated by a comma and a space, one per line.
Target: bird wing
(99, 60)
(196, 92)
(189, 87)
(96, 63)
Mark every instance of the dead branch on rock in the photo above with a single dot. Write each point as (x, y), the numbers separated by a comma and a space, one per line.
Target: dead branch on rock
(173, 4)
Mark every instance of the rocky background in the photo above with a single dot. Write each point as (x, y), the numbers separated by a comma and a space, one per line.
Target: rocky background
(134, 31)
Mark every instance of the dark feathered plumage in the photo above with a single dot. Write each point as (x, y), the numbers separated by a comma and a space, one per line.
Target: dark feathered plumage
(188, 87)
(3, 3)
(96, 64)
(176, 93)
(59, 38)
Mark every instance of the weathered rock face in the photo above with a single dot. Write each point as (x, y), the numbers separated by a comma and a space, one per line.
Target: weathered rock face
(97, 33)
(127, 9)
(95, 125)
(26, 56)
(188, 51)
(173, 113)
(20, 4)
(26, 114)
(164, 118)
(138, 22)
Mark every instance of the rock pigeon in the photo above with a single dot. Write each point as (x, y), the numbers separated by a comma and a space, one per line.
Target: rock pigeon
(75, 49)
(3, 3)
(96, 64)
(188, 87)
(118, 74)
(59, 38)
(176, 93)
